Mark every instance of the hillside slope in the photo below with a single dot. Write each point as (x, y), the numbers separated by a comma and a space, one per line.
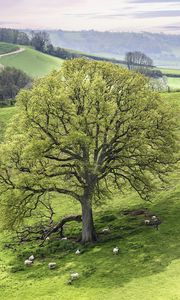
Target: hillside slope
(34, 63)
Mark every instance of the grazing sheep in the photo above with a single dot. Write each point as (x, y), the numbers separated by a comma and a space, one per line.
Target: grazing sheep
(52, 265)
(48, 238)
(106, 230)
(31, 258)
(74, 276)
(28, 262)
(64, 239)
(78, 252)
(154, 222)
(115, 250)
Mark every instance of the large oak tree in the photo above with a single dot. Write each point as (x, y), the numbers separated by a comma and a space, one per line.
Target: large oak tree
(83, 131)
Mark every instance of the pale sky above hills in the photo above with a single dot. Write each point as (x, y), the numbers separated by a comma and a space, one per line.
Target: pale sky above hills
(114, 15)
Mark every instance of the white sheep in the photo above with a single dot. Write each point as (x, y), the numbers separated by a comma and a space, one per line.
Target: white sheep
(28, 262)
(74, 276)
(154, 218)
(64, 239)
(146, 222)
(106, 230)
(48, 238)
(52, 265)
(31, 258)
(78, 252)
(115, 250)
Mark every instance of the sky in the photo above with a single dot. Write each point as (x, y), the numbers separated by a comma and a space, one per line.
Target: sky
(102, 15)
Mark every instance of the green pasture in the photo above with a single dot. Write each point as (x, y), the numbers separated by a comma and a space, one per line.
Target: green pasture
(170, 71)
(34, 63)
(174, 83)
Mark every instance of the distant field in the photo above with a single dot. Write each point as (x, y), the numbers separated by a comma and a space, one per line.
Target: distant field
(174, 83)
(34, 63)
(170, 71)
(7, 48)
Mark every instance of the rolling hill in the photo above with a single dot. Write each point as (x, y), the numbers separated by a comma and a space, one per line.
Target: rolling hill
(32, 62)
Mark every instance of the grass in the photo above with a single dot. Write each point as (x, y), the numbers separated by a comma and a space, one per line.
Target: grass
(174, 83)
(7, 48)
(34, 63)
(148, 265)
(170, 71)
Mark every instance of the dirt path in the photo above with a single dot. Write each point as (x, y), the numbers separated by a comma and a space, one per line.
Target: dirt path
(11, 53)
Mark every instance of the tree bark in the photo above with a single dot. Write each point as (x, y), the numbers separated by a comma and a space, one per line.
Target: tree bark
(88, 229)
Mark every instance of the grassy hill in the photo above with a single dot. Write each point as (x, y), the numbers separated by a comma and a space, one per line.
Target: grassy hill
(148, 265)
(34, 63)
(7, 48)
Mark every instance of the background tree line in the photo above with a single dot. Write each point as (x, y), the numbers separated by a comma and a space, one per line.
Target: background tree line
(40, 40)
(14, 36)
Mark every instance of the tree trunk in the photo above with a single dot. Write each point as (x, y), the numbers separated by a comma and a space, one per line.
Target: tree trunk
(88, 230)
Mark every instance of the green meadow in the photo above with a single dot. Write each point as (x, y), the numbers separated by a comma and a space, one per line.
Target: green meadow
(174, 83)
(170, 71)
(147, 267)
(32, 62)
